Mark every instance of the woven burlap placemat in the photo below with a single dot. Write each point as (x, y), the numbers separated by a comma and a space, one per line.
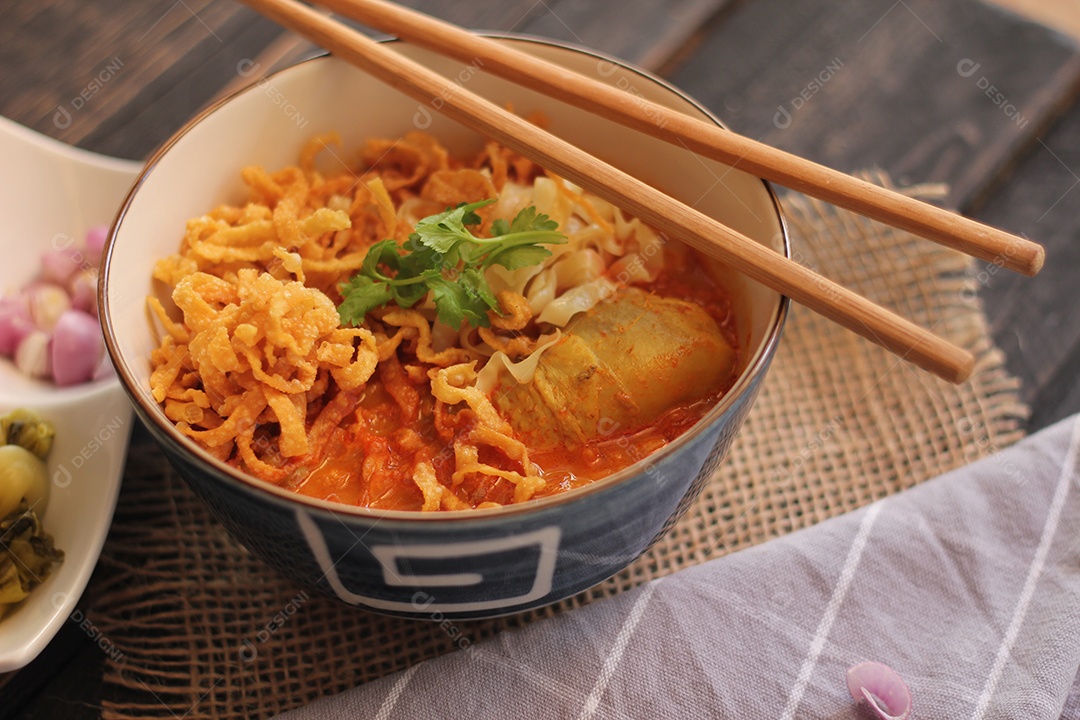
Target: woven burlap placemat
(199, 628)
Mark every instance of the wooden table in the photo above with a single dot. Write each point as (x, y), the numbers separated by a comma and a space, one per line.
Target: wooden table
(955, 92)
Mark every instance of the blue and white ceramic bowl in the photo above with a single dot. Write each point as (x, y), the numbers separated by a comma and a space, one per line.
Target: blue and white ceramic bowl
(452, 564)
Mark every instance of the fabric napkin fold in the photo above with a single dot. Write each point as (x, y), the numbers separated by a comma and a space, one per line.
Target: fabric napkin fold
(968, 585)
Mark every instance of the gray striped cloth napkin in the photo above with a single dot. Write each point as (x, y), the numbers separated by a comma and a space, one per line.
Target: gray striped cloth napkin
(968, 585)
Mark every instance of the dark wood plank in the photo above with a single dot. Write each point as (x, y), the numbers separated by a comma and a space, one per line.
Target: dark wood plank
(148, 119)
(1035, 320)
(509, 15)
(119, 78)
(899, 85)
(639, 31)
(642, 32)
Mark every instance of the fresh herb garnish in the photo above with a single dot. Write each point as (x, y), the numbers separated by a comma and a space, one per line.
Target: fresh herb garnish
(443, 257)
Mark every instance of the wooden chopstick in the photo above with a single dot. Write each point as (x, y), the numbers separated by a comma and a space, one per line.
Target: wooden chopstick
(891, 208)
(900, 336)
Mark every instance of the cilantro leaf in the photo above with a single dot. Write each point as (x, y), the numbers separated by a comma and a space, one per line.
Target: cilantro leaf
(455, 303)
(361, 295)
(444, 258)
(444, 231)
(529, 219)
(381, 253)
(517, 244)
(475, 284)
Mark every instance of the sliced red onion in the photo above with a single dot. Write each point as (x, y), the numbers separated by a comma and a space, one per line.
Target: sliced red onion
(15, 323)
(83, 287)
(57, 266)
(95, 244)
(32, 355)
(47, 303)
(76, 348)
(882, 688)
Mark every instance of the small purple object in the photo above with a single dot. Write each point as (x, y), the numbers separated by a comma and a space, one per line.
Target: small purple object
(882, 688)
(76, 348)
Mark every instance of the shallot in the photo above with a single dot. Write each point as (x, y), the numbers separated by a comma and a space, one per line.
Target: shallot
(882, 688)
(50, 328)
(47, 303)
(32, 355)
(76, 348)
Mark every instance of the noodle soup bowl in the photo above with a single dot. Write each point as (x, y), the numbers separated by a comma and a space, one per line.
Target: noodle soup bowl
(462, 564)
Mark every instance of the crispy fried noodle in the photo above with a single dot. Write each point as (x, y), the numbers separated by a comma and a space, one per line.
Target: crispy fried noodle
(400, 412)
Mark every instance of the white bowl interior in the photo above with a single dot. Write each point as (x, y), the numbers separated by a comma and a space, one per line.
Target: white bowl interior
(268, 123)
(50, 192)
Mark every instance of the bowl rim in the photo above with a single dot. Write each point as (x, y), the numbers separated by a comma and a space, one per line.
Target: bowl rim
(287, 499)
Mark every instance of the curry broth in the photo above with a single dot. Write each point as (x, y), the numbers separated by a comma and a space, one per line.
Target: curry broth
(372, 456)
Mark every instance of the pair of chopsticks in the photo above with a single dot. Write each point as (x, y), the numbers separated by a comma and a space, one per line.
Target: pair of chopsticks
(897, 334)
